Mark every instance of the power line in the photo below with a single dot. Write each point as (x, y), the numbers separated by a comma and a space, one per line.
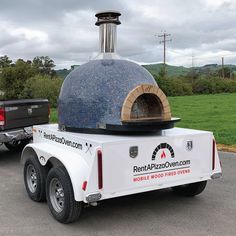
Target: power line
(180, 54)
(164, 41)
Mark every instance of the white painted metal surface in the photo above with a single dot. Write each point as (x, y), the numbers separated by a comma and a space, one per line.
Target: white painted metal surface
(130, 164)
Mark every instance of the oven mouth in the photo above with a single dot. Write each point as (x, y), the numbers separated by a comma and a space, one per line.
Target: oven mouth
(145, 103)
(146, 107)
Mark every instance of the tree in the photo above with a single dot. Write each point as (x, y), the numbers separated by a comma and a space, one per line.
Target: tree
(5, 61)
(174, 86)
(161, 73)
(41, 86)
(15, 77)
(227, 72)
(192, 75)
(44, 65)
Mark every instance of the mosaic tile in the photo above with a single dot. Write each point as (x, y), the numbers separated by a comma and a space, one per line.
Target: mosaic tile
(94, 93)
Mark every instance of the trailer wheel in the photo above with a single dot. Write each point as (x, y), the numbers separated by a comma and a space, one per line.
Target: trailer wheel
(17, 146)
(190, 190)
(35, 179)
(60, 196)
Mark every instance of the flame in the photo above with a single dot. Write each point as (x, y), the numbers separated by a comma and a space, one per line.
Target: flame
(163, 155)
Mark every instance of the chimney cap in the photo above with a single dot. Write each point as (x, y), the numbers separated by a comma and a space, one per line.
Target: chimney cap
(108, 17)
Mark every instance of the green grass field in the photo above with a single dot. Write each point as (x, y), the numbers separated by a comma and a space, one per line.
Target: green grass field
(215, 113)
(53, 115)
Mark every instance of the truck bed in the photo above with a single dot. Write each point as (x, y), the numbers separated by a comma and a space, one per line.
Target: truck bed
(23, 113)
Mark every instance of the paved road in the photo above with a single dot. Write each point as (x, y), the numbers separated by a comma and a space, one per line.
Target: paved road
(154, 213)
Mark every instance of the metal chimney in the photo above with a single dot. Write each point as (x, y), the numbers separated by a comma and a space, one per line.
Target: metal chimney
(107, 22)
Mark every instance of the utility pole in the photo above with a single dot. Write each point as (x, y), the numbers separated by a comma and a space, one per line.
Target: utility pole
(193, 72)
(223, 71)
(164, 36)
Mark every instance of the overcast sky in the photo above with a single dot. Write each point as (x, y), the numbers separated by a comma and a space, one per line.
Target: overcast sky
(65, 31)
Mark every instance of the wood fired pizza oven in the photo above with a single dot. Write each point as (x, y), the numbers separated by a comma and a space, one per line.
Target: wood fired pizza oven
(110, 94)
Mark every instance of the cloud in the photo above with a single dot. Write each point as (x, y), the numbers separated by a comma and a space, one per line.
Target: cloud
(65, 31)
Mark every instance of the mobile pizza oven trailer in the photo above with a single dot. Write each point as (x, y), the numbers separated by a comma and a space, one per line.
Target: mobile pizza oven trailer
(115, 137)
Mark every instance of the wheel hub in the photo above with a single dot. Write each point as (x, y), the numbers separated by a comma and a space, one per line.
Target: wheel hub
(31, 177)
(57, 196)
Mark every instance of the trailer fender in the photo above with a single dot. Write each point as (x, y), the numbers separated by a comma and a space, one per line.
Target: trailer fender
(75, 165)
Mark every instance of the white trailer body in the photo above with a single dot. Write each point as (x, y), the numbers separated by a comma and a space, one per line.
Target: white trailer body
(107, 166)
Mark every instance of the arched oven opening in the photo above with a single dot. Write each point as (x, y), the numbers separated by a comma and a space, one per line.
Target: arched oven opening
(145, 107)
(145, 103)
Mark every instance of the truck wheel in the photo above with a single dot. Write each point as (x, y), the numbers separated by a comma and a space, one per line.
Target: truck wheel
(190, 190)
(35, 179)
(16, 146)
(60, 196)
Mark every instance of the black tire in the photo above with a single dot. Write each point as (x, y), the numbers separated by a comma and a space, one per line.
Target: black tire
(60, 196)
(190, 190)
(17, 146)
(35, 179)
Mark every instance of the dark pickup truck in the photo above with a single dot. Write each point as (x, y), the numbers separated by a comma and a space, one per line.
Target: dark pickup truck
(17, 118)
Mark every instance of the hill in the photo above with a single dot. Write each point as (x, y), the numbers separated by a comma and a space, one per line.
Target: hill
(172, 71)
(63, 73)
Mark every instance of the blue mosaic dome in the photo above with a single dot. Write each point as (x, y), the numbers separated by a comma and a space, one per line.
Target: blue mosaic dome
(92, 95)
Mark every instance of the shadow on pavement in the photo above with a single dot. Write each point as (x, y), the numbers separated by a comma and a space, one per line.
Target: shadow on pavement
(7, 157)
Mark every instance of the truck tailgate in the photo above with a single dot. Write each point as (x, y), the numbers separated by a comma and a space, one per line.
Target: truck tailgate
(156, 162)
(23, 113)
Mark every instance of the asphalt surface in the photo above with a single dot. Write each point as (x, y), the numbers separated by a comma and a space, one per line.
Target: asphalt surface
(153, 213)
